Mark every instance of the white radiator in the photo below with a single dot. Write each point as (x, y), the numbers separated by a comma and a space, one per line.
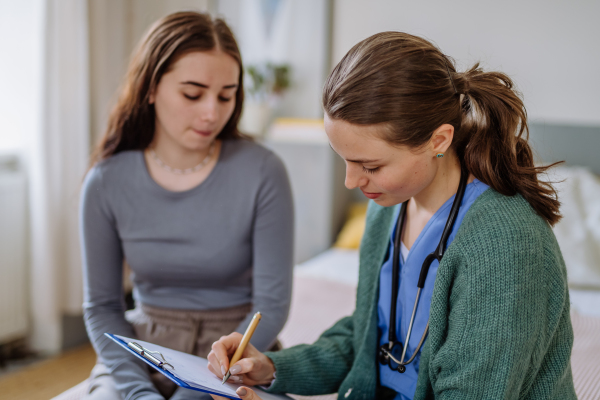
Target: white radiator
(13, 256)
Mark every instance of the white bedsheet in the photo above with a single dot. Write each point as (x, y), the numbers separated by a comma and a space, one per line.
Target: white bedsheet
(338, 265)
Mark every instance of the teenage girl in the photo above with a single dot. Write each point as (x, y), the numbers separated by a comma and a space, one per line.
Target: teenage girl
(202, 215)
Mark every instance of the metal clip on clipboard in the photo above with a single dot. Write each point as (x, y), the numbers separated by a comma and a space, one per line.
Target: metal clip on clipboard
(147, 354)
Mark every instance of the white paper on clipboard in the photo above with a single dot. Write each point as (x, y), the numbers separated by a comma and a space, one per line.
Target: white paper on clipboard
(191, 370)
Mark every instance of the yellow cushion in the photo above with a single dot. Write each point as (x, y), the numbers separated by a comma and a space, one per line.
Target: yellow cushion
(351, 234)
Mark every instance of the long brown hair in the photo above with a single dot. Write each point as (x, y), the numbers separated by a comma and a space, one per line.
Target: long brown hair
(132, 121)
(409, 86)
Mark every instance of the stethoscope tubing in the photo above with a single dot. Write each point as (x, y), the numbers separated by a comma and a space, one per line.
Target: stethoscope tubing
(410, 326)
(436, 255)
(415, 353)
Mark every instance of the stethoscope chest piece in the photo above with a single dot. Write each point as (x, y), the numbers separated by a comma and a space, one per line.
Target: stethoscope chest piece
(386, 357)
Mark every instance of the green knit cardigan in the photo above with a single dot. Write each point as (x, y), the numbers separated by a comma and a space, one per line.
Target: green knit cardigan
(499, 324)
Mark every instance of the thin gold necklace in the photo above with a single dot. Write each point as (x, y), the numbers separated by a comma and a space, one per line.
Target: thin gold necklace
(186, 171)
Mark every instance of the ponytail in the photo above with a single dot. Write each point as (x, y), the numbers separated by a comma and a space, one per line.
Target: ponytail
(492, 140)
(409, 85)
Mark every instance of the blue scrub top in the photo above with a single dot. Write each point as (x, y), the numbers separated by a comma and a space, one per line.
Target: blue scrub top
(405, 384)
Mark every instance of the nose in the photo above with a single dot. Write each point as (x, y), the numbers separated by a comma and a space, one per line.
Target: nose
(354, 176)
(209, 111)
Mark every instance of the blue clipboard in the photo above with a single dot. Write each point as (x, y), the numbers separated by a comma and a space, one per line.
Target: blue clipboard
(151, 355)
(150, 362)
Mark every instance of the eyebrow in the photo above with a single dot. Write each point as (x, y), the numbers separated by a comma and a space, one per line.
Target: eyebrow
(202, 85)
(356, 161)
(362, 161)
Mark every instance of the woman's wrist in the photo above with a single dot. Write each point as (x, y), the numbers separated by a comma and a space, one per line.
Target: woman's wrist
(270, 371)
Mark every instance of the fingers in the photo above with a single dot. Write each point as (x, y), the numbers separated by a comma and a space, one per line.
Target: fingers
(214, 365)
(222, 349)
(235, 379)
(232, 378)
(212, 369)
(255, 368)
(247, 393)
(244, 366)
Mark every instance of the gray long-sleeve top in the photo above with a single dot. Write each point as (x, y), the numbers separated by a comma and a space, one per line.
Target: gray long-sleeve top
(224, 243)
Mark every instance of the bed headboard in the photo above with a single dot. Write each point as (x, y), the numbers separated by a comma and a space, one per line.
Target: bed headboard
(576, 145)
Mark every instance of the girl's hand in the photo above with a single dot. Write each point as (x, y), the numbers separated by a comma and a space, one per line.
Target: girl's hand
(244, 392)
(253, 369)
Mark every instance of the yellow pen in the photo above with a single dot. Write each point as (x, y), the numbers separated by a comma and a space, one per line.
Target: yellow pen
(245, 339)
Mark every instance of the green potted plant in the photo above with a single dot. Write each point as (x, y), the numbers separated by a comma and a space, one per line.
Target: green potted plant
(265, 85)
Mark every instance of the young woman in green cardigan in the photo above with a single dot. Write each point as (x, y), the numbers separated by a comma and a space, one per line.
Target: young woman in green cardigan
(458, 263)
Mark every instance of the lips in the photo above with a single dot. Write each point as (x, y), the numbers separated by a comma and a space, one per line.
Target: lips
(203, 133)
(371, 195)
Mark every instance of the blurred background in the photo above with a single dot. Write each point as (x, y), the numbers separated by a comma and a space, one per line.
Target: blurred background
(61, 62)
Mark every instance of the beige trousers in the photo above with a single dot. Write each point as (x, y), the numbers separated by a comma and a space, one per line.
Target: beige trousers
(192, 332)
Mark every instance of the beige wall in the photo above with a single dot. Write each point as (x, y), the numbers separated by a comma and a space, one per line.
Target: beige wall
(550, 48)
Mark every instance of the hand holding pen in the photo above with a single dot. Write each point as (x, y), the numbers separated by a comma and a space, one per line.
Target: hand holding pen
(253, 367)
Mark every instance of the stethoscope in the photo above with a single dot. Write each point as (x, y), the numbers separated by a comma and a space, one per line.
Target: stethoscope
(385, 351)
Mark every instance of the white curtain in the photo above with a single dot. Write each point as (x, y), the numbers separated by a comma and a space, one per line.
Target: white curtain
(265, 31)
(286, 32)
(58, 158)
(58, 154)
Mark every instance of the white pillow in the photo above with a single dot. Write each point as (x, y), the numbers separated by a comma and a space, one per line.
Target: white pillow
(578, 232)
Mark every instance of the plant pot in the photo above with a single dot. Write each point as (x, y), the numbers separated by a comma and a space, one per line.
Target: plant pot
(256, 117)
